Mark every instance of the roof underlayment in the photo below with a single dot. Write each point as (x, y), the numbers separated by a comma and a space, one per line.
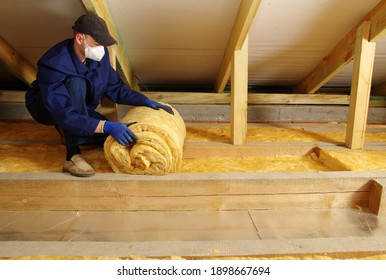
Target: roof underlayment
(173, 42)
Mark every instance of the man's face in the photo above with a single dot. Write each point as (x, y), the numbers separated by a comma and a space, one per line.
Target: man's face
(85, 40)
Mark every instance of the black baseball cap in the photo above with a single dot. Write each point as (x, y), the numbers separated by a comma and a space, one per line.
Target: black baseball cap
(96, 27)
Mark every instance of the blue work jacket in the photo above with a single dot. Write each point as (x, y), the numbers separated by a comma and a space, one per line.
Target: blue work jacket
(61, 62)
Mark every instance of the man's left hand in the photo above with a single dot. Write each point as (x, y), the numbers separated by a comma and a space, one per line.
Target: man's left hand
(157, 106)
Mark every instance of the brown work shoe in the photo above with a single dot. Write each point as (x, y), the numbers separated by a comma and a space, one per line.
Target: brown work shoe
(77, 166)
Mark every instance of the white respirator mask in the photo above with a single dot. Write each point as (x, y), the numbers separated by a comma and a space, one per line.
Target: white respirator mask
(95, 53)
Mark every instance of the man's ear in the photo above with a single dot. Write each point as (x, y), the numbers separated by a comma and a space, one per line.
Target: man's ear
(79, 38)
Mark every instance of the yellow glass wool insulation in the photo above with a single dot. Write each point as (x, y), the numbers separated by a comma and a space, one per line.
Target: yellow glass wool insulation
(354, 160)
(21, 150)
(159, 148)
(273, 134)
(46, 158)
(283, 163)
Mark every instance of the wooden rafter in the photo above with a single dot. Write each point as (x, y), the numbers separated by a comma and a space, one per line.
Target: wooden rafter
(16, 63)
(343, 53)
(378, 23)
(100, 7)
(243, 23)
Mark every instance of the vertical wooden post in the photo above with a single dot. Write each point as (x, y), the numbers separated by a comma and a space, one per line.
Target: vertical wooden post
(109, 108)
(360, 87)
(239, 94)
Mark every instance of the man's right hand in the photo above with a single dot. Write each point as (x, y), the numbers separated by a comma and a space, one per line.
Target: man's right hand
(120, 132)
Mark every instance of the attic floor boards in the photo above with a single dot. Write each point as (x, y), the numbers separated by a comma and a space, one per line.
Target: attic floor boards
(132, 226)
(219, 233)
(351, 232)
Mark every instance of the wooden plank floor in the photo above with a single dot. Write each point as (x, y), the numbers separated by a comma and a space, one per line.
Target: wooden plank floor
(135, 226)
(346, 233)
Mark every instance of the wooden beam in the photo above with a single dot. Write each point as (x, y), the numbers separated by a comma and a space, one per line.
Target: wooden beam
(196, 98)
(16, 63)
(328, 67)
(360, 88)
(202, 98)
(212, 192)
(343, 53)
(243, 22)
(378, 22)
(253, 98)
(239, 95)
(100, 7)
(377, 200)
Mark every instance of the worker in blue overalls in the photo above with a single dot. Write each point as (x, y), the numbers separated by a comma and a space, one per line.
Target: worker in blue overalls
(72, 78)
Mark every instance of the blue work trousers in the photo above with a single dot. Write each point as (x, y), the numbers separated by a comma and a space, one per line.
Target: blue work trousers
(77, 88)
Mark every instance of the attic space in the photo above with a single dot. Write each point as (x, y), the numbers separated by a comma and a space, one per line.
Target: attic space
(281, 129)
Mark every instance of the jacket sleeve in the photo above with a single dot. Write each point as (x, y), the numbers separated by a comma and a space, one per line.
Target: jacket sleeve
(58, 103)
(119, 93)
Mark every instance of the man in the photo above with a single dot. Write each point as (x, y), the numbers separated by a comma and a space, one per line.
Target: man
(72, 78)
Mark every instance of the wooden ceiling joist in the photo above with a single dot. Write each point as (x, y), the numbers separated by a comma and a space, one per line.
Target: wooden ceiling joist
(343, 53)
(16, 63)
(100, 7)
(241, 26)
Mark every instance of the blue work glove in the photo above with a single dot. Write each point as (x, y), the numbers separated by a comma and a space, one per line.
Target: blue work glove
(120, 132)
(157, 106)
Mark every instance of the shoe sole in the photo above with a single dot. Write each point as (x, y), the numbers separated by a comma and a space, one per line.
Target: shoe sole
(77, 174)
